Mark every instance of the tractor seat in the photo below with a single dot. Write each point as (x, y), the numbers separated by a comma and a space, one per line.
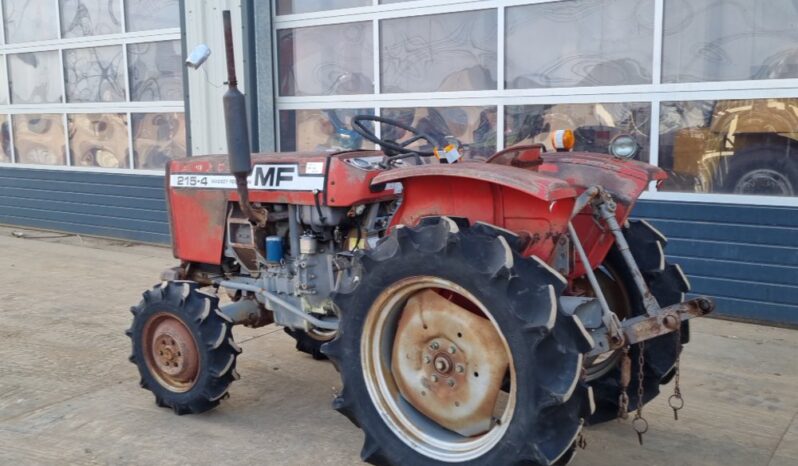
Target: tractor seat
(526, 156)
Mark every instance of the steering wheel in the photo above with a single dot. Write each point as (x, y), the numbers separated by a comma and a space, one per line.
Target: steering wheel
(393, 148)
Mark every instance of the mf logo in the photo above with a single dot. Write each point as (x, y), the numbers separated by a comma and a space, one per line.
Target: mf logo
(271, 176)
(284, 177)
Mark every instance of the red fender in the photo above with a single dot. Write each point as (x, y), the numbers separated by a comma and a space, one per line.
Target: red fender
(518, 200)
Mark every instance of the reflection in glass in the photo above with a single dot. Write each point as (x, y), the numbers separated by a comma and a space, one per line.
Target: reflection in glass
(326, 60)
(579, 43)
(158, 138)
(447, 52)
(39, 139)
(141, 15)
(310, 130)
(155, 71)
(98, 140)
(90, 17)
(3, 87)
(94, 74)
(594, 125)
(289, 7)
(5, 140)
(30, 20)
(35, 78)
(711, 40)
(730, 146)
(473, 127)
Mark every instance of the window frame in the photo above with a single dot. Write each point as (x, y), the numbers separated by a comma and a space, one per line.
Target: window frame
(127, 106)
(654, 93)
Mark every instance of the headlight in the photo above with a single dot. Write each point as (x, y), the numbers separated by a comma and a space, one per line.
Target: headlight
(624, 146)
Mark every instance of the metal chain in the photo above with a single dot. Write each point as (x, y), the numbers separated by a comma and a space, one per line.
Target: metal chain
(626, 375)
(676, 401)
(639, 422)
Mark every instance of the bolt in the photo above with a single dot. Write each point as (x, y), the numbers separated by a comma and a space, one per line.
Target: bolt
(460, 368)
(671, 322)
(450, 382)
(434, 378)
(434, 345)
(452, 349)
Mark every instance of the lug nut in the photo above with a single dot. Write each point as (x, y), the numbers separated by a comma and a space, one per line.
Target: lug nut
(452, 350)
(450, 382)
(427, 359)
(434, 378)
(434, 345)
(460, 368)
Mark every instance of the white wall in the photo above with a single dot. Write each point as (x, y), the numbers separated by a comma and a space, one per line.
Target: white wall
(206, 85)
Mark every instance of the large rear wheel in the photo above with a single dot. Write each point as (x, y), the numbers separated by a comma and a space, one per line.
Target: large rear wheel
(668, 284)
(452, 349)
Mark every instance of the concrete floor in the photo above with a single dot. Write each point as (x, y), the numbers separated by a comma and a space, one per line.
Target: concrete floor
(68, 395)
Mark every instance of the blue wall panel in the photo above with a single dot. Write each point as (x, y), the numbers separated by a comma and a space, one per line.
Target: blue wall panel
(746, 257)
(102, 204)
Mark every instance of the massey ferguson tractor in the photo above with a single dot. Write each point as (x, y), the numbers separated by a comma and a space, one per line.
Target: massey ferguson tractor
(478, 312)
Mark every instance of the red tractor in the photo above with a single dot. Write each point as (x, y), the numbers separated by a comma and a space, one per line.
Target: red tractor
(478, 312)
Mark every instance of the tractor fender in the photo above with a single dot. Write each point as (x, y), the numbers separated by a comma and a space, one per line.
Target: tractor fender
(532, 205)
(545, 188)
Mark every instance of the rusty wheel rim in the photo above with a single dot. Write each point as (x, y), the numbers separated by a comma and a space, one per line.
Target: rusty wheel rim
(170, 352)
(385, 384)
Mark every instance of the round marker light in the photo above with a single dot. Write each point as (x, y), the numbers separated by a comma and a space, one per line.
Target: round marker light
(562, 140)
(624, 146)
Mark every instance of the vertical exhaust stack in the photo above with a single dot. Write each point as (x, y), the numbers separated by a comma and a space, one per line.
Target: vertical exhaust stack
(235, 122)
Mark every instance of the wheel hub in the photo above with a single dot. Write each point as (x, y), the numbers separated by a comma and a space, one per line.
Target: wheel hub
(446, 364)
(173, 357)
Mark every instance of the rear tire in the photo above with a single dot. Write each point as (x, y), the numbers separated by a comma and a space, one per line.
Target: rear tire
(668, 284)
(310, 342)
(183, 347)
(517, 296)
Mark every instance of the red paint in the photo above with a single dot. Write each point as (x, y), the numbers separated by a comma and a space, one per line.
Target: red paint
(520, 189)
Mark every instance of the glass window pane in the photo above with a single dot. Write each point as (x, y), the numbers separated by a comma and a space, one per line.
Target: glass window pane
(98, 140)
(312, 130)
(594, 125)
(90, 17)
(579, 43)
(289, 7)
(3, 82)
(94, 74)
(39, 139)
(35, 77)
(141, 15)
(158, 138)
(710, 40)
(156, 71)
(326, 60)
(5, 140)
(30, 20)
(473, 127)
(730, 146)
(448, 52)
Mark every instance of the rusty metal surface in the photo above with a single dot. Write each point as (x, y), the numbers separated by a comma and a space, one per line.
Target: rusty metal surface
(543, 187)
(446, 364)
(171, 352)
(667, 320)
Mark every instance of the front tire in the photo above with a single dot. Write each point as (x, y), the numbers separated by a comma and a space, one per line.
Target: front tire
(183, 347)
(484, 292)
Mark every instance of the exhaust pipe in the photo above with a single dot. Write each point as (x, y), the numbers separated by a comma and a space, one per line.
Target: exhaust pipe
(236, 127)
